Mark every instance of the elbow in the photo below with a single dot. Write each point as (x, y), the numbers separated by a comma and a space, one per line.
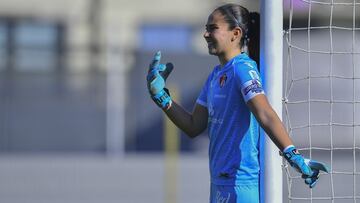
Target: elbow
(264, 113)
(196, 129)
(267, 119)
(264, 119)
(192, 134)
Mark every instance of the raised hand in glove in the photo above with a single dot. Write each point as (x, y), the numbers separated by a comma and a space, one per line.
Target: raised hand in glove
(156, 79)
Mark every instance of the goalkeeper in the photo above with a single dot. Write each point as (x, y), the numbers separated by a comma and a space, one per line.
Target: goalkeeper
(232, 105)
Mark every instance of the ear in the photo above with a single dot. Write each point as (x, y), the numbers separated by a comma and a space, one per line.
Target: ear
(237, 34)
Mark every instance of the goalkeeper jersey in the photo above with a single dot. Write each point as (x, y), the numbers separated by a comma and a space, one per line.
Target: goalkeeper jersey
(232, 128)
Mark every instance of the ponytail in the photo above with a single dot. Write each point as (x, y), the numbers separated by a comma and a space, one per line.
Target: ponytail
(253, 37)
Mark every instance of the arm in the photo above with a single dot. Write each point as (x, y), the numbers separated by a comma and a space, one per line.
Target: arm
(191, 123)
(269, 121)
(273, 126)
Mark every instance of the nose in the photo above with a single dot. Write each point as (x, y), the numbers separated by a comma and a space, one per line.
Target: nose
(206, 34)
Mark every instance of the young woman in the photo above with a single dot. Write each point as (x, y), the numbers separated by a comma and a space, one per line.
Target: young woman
(232, 105)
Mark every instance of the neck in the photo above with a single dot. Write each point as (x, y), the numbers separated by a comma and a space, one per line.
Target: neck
(226, 57)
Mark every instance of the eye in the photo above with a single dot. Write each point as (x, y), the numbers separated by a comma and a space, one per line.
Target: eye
(210, 28)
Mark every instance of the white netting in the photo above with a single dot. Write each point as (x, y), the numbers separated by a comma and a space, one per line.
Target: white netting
(322, 96)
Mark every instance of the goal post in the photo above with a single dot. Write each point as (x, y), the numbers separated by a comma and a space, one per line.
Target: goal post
(271, 63)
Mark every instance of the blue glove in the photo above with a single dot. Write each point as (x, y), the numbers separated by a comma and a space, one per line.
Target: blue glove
(156, 79)
(309, 169)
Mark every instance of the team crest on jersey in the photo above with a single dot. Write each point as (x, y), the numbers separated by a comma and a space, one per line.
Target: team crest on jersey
(223, 79)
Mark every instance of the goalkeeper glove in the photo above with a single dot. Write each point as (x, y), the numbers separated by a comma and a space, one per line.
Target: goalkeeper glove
(310, 169)
(156, 79)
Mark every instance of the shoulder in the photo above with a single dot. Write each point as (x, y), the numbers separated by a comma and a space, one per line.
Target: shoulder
(246, 68)
(245, 63)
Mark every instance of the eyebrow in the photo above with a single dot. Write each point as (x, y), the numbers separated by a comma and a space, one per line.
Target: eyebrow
(210, 25)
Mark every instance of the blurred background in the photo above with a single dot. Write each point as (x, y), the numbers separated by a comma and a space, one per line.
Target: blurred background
(76, 121)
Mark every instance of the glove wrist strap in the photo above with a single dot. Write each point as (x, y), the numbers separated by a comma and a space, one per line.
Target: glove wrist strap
(163, 99)
(290, 152)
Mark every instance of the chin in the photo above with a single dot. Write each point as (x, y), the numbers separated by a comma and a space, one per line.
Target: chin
(213, 52)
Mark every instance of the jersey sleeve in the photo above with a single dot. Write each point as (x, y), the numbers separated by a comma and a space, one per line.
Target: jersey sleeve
(248, 80)
(202, 99)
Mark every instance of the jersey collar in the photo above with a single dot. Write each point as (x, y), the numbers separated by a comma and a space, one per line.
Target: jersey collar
(231, 62)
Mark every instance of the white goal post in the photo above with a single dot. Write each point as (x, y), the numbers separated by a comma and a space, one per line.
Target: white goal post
(271, 62)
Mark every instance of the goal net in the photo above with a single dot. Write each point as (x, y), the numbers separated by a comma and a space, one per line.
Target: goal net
(321, 98)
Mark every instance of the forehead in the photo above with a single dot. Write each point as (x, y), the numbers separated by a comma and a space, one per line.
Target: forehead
(216, 18)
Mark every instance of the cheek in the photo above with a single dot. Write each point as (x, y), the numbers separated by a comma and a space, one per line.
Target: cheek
(223, 40)
(218, 37)
(223, 37)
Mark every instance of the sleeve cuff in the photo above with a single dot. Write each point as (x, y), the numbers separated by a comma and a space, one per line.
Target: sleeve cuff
(202, 103)
(286, 148)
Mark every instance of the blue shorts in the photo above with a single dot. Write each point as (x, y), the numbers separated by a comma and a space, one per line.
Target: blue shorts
(234, 194)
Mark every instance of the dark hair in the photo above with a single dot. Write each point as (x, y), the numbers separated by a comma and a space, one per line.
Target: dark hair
(249, 22)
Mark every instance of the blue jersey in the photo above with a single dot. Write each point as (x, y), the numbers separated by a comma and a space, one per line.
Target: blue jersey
(232, 128)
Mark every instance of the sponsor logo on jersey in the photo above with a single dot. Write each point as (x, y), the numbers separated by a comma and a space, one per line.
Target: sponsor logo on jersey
(219, 96)
(222, 198)
(215, 120)
(223, 79)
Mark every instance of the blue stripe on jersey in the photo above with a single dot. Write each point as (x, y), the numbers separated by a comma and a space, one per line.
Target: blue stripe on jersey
(233, 129)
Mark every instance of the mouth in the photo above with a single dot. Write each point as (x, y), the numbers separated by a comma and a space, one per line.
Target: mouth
(210, 44)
